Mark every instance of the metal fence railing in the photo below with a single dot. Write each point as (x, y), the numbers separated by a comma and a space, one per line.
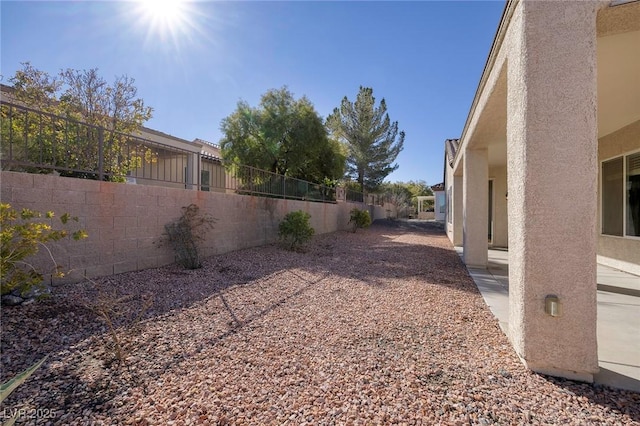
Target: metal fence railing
(34, 141)
(252, 181)
(39, 142)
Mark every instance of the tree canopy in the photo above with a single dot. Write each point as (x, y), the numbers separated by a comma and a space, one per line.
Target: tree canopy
(372, 140)
(403, 195)
(283, 135)
(83, 95)
(86, 98)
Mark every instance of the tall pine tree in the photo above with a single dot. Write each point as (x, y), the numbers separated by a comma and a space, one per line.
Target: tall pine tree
(372, 140)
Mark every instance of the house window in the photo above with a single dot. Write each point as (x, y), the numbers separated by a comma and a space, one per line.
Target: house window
(204, 180)
(612, 197)
(621, 196)
(449, 205)
(633, 194)
(441, 202)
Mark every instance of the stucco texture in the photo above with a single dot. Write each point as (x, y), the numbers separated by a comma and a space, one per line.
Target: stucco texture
(552, 169)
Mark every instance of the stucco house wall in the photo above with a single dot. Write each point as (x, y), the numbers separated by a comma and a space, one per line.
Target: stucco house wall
(559, 94)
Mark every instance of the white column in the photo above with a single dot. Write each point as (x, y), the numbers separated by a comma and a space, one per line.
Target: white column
(552, 176)
(475, 194)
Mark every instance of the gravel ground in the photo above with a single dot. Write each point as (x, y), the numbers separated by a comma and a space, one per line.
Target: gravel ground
(383, 326)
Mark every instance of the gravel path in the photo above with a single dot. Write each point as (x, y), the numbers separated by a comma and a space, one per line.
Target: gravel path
(379, 327)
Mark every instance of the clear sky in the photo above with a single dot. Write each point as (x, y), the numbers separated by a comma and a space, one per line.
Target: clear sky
(193, 64)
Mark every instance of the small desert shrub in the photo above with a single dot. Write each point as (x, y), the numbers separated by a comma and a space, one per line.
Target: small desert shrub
(360, 219)
(22, 234)
(184, 235)
(120, 314)
(295, 230)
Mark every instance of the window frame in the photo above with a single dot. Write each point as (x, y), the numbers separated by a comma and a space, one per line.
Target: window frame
(624, 156)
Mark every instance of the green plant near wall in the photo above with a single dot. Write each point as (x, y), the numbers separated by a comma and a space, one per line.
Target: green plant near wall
(359, 219)
(295, 230)
(186, 233)
(22, 235)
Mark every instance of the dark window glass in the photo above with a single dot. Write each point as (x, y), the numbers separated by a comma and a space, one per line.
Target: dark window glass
(612, 197)
(633, 195)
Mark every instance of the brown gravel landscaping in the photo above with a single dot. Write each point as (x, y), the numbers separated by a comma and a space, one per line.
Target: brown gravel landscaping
(383, 326)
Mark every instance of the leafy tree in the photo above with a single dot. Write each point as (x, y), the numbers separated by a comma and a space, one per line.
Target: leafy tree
(373, 141)
(403, 194)
(400, 196)
(283, 135)
(79, 98)
(418, 188)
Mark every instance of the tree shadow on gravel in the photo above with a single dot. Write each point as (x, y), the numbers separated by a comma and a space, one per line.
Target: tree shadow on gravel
(65, 329)
(30, 332)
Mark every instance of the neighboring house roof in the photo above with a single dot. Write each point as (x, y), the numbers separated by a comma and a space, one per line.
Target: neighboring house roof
(209, 150)
(204, 142)
(4, 89)
(147, 130)
(438, 187)
(451, 149)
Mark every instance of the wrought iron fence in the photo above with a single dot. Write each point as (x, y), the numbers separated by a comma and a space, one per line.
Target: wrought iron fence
(38, 142)
(252, 181)
(34, 141)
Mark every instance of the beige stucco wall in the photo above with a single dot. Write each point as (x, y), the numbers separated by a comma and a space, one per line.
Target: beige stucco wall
(124, 221)
(426, 215)
(552, 169)
(618, 252)
(547, 51)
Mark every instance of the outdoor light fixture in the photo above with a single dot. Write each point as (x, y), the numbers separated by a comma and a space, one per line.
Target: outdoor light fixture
(552, 305)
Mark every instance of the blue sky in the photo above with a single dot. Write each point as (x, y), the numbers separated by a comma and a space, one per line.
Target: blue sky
(425, 58)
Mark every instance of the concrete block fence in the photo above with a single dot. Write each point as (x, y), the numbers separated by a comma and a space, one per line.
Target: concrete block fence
(125, 222)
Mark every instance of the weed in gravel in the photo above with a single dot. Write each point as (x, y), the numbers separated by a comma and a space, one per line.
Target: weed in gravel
(119, 314)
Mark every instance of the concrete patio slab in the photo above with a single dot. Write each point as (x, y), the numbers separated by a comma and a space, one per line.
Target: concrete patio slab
(618, 316)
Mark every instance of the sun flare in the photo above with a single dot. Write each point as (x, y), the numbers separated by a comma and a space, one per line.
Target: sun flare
(163, 11)
(166, 20)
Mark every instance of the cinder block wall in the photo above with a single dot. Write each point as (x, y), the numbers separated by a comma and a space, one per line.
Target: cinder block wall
(125, 222)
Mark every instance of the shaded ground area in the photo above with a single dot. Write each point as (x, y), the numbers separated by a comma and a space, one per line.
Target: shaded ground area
(378, 327)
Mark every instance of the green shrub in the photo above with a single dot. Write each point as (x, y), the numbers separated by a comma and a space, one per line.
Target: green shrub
(360, 219)
(295, 230)
(184, 235)
(22, 234)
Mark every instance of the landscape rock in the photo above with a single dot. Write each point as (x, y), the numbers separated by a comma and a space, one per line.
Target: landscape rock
(383, 326)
